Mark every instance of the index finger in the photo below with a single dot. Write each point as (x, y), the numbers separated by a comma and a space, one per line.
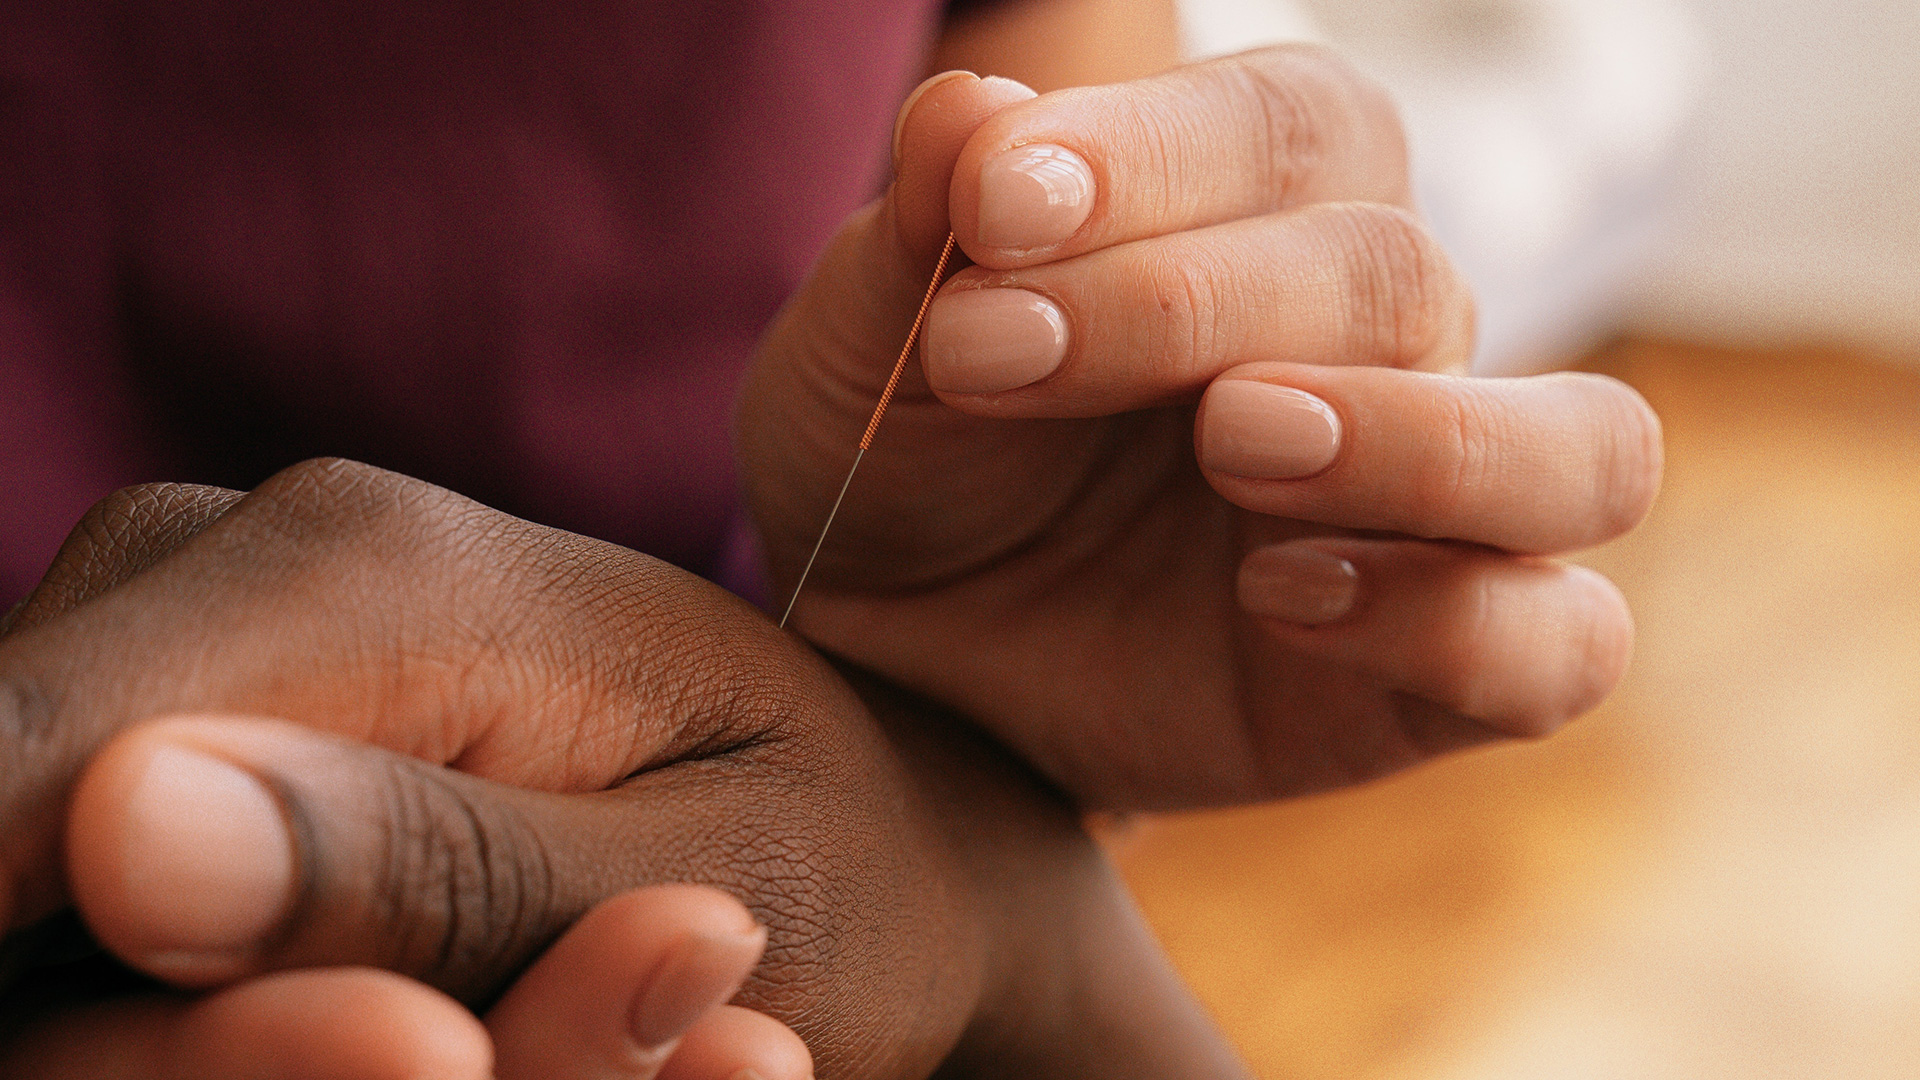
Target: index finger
(1083, 169)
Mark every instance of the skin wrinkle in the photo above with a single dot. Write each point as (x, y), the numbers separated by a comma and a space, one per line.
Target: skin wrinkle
(676, 652)
(836, 868)
(1371, 255)
(1198, 319)
(1291, 145)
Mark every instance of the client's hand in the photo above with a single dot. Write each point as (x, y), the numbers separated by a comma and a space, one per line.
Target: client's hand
(1118, 518)
(631, 992)
(613, 723)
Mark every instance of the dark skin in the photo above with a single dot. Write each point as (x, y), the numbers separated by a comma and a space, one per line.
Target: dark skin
(930, 903)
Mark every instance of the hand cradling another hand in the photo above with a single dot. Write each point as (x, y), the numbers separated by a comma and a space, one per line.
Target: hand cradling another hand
(458, 732)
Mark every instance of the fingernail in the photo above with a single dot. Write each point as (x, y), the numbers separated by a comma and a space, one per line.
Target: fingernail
(702, 971)
(983, 341)
(1298, 583)
(1033, 196)
(1267, 432)
(208, 860)
(906, 107)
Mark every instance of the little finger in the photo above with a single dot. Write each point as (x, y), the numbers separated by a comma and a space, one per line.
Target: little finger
(1504, 645)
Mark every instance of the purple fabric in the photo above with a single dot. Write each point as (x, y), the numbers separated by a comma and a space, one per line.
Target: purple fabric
(522, 250)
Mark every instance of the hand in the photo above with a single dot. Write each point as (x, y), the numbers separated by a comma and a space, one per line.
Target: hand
(632, 990)
(667, 953)
(927, 902)
(1322, 574)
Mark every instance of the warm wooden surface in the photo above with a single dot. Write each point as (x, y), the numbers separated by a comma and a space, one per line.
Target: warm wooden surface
(1717, 875)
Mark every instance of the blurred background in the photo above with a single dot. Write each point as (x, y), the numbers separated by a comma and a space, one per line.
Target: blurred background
(1718, 874)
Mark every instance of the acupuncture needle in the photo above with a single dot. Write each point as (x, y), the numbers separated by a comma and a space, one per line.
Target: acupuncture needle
(873, 425)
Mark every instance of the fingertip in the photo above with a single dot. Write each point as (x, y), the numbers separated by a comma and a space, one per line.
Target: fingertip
(929, 133)
(732, 1043)
(344, 1023)
(621, 989)
(1639, 463)
(182, 862)
(913, 100)
(1589, 616)
(980, 342)
(1610, 638)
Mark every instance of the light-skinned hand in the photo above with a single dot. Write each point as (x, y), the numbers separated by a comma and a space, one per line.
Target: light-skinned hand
(1188, 500)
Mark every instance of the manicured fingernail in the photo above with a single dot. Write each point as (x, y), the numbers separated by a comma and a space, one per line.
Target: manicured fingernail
(1033, 196)
(1267, 432)
(702, 971)
(906, 107)
(983, 341)
(208, 861)
(1298, 583)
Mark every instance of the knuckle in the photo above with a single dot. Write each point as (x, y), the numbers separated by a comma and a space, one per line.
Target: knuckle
(462, 888)
(1455, 464)
(1290, 137)
(118, 538)
(1188, 325)
(790, 873)
(29, 730)
(336, 501)
(1400, 285)
(1316, 104)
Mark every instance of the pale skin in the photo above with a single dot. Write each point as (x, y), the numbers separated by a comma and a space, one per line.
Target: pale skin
(1104, 561)
(1009, 552)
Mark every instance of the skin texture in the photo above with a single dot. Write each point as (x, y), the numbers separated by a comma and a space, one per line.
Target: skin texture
(341, 1024)
(1061, 562)
(611, 723)
(1044, 544)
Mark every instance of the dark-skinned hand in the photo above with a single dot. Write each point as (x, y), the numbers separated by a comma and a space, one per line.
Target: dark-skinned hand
(351, 721)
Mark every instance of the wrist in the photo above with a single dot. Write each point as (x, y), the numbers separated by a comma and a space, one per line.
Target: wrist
(1082, 989)
(1072, 983)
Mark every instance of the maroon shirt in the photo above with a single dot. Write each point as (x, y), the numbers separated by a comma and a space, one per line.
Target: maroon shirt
(522, 250)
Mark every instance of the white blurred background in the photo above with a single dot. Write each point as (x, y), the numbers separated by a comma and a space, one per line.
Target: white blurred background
(1717, 875)
(1741, 171)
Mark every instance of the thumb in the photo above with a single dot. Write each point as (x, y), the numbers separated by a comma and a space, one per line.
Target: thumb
(820, 368)
(206, 849)
(929, 134)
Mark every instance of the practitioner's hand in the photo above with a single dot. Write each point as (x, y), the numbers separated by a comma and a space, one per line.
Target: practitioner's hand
(1330, 569)
(927, 902)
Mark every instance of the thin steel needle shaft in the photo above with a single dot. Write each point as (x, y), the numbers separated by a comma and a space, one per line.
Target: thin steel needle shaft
(873, 425)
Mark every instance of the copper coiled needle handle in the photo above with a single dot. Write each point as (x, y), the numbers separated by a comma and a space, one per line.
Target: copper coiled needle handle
(873, 425)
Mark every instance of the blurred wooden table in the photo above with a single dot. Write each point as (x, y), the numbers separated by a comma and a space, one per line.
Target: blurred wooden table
(1717, 875)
